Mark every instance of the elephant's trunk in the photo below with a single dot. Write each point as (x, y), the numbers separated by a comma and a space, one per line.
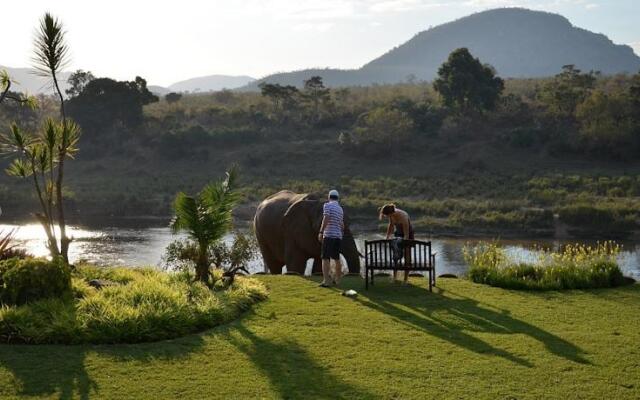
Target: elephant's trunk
(351, 253)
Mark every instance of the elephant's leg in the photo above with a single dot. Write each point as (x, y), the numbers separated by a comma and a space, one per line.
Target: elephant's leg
(296, 261)
(271, 263)
(317, 266)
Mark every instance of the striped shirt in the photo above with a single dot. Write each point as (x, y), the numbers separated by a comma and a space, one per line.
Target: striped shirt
(333, 216)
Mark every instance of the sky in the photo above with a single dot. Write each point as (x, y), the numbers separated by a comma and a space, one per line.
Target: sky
(168, 41)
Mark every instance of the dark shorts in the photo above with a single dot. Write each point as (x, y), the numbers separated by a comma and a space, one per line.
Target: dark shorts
(331, 248)
(400, 234)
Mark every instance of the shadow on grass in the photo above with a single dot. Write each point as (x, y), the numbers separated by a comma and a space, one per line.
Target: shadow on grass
(291, 370)
(449, 317)
(44, 370)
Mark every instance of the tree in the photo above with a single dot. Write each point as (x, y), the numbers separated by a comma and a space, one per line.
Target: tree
(51, 55)
(383, 126)
(567, 89)
(467, 85)
(206, 218)
(77, 81)
(104, 102)
(282, 97)
(172, 97)
(315, 93)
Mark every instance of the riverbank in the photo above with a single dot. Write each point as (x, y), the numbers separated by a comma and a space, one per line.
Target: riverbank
(462, 341)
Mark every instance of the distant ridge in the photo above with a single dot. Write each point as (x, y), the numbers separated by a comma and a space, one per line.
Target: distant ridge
(25, 81)
(210, 83)
(516, 41)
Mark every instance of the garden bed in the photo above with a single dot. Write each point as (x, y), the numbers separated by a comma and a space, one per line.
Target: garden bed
(572, 267)
(140, 305)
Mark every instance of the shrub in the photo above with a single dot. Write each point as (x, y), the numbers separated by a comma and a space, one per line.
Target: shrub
(26, 280)
(575, 267)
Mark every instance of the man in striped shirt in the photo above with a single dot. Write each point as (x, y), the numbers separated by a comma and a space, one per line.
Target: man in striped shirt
(331, 236)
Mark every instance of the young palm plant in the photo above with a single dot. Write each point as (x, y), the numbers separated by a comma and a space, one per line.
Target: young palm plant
(206, 218)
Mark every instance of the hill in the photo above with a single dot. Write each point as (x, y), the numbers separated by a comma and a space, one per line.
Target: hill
(517, 42)
(210, 83)
(24, 80)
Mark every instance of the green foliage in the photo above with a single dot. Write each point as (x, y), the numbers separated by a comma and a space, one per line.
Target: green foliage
(567, 90)
(574, 267)
(144, 305)
(599, 217)
(31, 279)
(383, 126)
(40, 158)
(77, 81)
(104, 103)
(607, 123)
(467, 85)
(172, 97)
(8, 246)
(207, 217)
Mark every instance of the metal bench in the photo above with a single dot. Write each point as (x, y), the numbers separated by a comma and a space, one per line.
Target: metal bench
(380, 255)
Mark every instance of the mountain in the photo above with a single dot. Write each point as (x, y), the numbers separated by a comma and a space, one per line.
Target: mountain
(210, 83)
(516, 42)
(25, 81)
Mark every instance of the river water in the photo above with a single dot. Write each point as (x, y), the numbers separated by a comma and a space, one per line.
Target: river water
(136, 243)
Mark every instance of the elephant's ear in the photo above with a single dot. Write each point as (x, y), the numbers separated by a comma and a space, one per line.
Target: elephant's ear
(301, 217)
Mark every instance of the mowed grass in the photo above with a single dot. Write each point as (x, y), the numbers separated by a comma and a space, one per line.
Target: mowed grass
(464, 340)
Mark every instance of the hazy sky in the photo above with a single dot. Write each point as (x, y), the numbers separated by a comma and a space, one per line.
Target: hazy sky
(167, 41)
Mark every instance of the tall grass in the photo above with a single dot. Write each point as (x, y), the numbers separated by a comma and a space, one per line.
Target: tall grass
(573, 267)
(142, 305)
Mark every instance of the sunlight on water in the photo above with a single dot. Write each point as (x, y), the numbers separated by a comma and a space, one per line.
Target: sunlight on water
(144, 246)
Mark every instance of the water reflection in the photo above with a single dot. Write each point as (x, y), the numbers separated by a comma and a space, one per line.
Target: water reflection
(142, 244)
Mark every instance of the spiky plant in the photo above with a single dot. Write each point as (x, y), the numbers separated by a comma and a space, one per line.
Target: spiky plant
(51, 54)
(206, 218)
(37, 158)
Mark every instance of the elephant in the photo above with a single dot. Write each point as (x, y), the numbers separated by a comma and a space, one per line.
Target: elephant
(287, 225)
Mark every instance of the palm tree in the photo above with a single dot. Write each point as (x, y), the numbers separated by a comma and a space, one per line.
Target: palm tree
(51, 55)
(207, 217)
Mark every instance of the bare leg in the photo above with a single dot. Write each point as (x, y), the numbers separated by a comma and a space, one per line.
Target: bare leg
(326, 272)
(338, 273)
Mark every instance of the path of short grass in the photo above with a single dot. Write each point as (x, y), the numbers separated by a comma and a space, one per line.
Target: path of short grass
(462, 341)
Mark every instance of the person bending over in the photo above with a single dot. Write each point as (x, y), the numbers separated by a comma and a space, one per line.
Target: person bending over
(400, 227)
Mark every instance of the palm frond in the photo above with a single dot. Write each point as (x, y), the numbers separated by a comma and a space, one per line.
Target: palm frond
(186, 215)
(15, 141)
(19, 168)
(51, 50)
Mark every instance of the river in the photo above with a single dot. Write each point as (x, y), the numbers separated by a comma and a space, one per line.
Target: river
(142, 243)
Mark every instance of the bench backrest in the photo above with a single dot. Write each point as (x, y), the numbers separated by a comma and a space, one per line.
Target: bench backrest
(380, 255)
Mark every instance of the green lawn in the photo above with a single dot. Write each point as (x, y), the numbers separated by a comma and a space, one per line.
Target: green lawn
(462, 341)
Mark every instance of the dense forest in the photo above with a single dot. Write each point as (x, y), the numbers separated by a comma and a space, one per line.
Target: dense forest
(466, 153)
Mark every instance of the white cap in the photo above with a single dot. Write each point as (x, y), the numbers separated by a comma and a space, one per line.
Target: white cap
(334, 193)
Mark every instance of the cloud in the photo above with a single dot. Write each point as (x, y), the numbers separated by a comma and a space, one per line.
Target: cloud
(636, 47)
